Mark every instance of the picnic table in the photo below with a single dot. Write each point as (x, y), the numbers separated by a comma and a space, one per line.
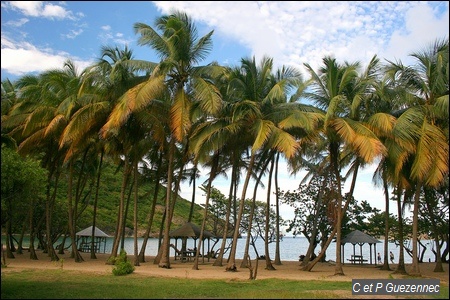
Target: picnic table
(357, 259)
(187, 255)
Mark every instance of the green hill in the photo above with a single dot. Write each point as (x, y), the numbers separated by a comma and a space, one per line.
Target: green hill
(108, 205)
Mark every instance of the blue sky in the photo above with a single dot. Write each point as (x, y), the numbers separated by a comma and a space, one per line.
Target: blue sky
(39, 35)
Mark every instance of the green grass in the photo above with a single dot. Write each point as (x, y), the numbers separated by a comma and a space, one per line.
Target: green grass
(64, 284)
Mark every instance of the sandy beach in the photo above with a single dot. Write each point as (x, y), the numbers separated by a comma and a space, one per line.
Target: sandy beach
(288, 269)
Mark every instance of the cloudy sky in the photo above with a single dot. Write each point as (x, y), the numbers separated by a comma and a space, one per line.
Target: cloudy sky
(39, 35)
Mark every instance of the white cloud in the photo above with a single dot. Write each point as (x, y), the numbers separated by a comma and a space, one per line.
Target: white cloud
(22, 58)
(108, 37)
(73, 33)
(40, 9)
(17, 23)
(297, 32)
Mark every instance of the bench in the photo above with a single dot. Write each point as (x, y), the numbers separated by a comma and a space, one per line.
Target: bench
(188, 255)
(357, 259)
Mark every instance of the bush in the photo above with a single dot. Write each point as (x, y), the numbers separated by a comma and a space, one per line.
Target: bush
(122, 265)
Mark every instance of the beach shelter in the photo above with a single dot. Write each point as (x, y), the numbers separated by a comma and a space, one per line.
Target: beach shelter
(360, 238)
(84, 240)
(190, 230)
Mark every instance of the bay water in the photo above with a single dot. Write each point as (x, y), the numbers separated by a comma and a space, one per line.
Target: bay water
(290, 249)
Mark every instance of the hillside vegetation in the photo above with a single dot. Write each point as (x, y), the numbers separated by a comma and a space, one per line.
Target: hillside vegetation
(108, 202)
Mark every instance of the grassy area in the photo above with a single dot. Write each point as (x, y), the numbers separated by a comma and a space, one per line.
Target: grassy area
(63, 284)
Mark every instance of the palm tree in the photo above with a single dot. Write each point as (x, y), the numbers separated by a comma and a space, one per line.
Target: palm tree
(338, 90)
(177, 81)
(423, 127)
(255, 94)
(48, 102)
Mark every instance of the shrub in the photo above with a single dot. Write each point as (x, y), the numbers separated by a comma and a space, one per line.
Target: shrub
(122, 265)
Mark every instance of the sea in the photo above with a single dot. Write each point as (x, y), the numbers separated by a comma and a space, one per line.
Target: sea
(290, 249)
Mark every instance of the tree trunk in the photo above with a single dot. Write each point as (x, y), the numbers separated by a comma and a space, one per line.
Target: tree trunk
(277, 210)
(94, 217)
(386, 227)
(165, 250)
(401, 257)
(415, 271)
(231, 266)
(244, 263)
(269, 265)
(219, 259)
(120, 214)
(152, 212)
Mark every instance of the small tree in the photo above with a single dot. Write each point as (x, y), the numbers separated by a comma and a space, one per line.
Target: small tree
(122, 266)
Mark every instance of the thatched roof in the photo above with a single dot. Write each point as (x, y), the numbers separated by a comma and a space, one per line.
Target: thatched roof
(359, 237)
(88, 232)
(190, 230)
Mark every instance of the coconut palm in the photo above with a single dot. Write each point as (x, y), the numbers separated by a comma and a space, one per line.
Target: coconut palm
(48, 101)
(423, 126)
(104, 83)
(338, 90)
(177, 81)
(254, 95)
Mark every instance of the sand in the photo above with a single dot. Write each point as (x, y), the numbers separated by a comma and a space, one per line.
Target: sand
(287, 270)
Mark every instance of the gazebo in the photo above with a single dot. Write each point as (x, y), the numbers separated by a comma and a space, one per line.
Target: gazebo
(190, 230)
(360, 238)
(84, 240)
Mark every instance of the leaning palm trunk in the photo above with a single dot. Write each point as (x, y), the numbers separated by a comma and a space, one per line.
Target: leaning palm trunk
(315, 229)
(311, 264)
(120, 214)
(48, 213)
(75, 254)
(415, 271)
(150, 219)
(401, 257)
(245, 259)
(231, 266)
(94, 217)
(212, 175)
(386, 227)
(269, 265)
(219, 259)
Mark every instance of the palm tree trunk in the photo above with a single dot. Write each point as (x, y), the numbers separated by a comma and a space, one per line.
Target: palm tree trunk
(245, 259)
(269, 265)
(386, 227)
(415, 271)
(164, 261)
(219, 259)
(401, 257)
(75, 254)
(212, 175)
(135, 213)
(438, 267)
(120, 214)
(338, 268)
(48, 213)
(94, 217)
(312, 240)
(311, 264)
(231, 266)
(277, 210)
(152, 211)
